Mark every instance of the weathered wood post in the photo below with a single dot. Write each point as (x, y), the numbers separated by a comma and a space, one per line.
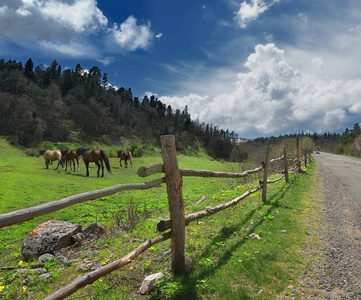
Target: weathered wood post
(285, 164)
(265, 166)
(305, 158)
(175, 202)
(299, 155)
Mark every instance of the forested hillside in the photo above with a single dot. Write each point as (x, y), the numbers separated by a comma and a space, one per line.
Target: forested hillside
(73, 105)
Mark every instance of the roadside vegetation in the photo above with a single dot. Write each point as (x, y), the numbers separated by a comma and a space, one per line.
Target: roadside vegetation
(227, 263)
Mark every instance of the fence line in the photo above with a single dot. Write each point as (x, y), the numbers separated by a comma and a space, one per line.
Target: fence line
(177, 221)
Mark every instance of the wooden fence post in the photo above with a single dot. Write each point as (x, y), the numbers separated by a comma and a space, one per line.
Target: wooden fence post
(264, 184)
(175, 201)
(299, 155)
(285, 164)
(305, 158)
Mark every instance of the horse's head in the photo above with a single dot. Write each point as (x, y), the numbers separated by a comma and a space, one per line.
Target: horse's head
(119, 153)
(40, 152)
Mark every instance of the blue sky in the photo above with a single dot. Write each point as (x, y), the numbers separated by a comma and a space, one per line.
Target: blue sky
(257, 67)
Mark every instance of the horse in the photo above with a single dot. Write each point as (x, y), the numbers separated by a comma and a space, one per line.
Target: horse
(94, 156)
(125, 155)
(50, 156)
(69, 156)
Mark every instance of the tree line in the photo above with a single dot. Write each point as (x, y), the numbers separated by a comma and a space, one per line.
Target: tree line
(74, 105)
(40, 103)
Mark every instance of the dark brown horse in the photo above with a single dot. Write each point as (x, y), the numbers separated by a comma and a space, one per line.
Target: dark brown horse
(94, 156)
(50, 156)
(68, 157)
(125, 155)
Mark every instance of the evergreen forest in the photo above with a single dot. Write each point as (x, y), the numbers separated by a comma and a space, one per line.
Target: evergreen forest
(40, 103)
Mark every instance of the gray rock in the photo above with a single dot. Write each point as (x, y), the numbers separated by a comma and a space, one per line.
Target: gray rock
(49, 237)
(42, 277)
(45, 258)
(150, 282)
(94, 229)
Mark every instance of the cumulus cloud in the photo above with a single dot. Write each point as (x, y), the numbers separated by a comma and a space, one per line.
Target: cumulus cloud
(249, 12)
(45, 20)
(273, 96)
(130, 36)
(65, 25)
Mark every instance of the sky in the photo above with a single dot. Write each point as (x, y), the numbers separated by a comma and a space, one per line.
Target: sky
(255, 67)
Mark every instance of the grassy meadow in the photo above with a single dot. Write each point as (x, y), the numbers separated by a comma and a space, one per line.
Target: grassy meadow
(227, 263)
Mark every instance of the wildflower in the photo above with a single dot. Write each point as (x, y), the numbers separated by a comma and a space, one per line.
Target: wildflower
(24, 288)
(20, 263)
(100, 280)
(1, 287)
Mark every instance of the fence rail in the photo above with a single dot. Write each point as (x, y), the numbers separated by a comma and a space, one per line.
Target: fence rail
(177, 221)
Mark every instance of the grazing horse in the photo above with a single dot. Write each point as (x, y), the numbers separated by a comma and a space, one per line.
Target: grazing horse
(50, 156)
(125, 155)
(94, 156)
(69, 156)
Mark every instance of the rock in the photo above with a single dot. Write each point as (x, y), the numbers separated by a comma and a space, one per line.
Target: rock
(81, 236)
(150, 282)
(42, 277)
(45, 258)
(49, 237)
(255, 236)
(188, 265)
(94, 229)
(31, 271)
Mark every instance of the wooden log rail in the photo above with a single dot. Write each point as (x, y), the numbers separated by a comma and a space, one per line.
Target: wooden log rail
(90, 277)
(165, 224)
(25, 214)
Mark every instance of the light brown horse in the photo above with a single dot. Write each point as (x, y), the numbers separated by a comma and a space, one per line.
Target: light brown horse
(68, 157)
(50, 156)
(125, 155)
(94, 156)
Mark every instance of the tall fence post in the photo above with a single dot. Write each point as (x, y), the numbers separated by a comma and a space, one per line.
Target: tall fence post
(285, 164)
(299, 155)
(265, 166)
(175, 201)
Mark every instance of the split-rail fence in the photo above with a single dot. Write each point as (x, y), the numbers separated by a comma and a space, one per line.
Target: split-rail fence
(177, 222)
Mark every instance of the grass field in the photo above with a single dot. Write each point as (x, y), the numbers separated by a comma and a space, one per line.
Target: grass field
(227, 263)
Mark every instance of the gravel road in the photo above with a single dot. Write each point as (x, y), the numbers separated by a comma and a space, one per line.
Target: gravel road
(336, 272)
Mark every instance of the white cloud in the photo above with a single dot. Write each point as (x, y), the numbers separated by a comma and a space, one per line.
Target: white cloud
(45, 20)
(249, 12)
(273, 96)
(129, 36)
(62, 24)
(159, 35)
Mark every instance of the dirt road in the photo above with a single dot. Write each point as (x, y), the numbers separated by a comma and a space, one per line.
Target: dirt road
(336, 273)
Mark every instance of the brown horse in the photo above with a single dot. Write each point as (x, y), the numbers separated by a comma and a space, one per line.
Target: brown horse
(50, 156)
(94, 156)
(68, 157)
(125, 155)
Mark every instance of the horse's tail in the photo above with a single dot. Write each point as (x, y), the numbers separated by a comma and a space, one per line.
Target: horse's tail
(129, 156)
(106, 160)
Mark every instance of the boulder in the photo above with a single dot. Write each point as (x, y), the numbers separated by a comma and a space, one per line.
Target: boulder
(49, 237)
(150, 282)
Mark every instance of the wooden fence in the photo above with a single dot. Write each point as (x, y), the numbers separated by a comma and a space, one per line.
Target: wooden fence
(177, 222)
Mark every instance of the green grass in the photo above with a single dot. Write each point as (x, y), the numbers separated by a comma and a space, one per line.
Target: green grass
(227, 263)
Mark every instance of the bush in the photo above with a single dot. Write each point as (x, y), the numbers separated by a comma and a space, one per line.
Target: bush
(136, 149)
(48, 146)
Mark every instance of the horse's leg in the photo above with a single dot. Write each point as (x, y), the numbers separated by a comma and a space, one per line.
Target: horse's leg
(87, 168)
(102, 168)
(47, 164)
(73, 164)
(120, 162)
(98, 165)
(77, 161)
(126, 163)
